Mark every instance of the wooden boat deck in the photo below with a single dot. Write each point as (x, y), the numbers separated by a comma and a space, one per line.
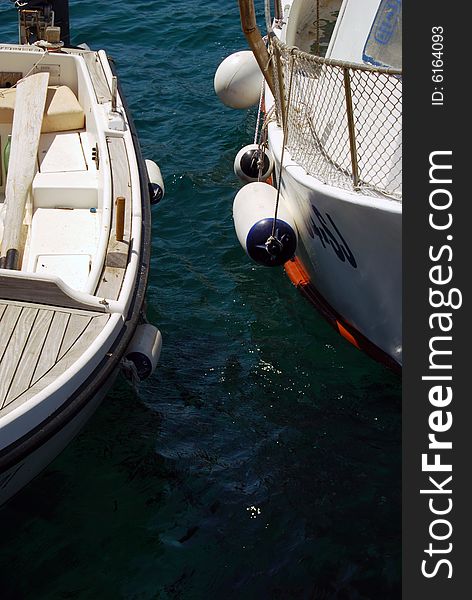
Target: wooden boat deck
(38, 343)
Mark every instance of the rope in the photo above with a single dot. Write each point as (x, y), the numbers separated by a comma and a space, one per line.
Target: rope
(261, 132)
(45, 53)
(259, 112)
(279, 186)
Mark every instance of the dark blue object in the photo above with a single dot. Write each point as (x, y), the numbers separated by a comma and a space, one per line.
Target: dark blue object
(249, 163)
(156, 193)
(142, 363)
(267, 250)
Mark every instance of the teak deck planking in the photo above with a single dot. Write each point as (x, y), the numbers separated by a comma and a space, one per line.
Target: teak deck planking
(38, 343)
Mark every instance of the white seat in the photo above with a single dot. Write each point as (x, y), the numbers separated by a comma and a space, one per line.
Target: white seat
(65, 177)
(75, 189)
(60, 152)
(63, 243)
(73, 269)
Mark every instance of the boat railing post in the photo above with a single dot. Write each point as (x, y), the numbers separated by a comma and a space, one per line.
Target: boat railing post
(277, 10)
(114, 92)
(351, 127)
(280, 83)
(255, 41)
(120, 218)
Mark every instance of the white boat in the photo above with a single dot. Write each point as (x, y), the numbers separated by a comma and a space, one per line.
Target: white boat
(334, 123)
(75, 199)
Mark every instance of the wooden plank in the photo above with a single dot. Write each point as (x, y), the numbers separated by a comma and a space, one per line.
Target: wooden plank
(56, 369)
(121, 177)
(51, 345)
(117, 252)
(72, 311)
(27, 120)
(3, 308)
(118, 260)
(14, 350)
(121, 187)
(75, 352)
(9, 320)
(32, 351)
(97, 75)
(90, 334)
(110, 283)
(76, 326)
(22, 289)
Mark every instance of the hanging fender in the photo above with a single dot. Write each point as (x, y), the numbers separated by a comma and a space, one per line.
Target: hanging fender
(253, 215)
(238, 80)
(156, 182)
(246, 163)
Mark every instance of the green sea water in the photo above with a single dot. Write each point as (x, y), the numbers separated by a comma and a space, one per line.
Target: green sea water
(262, 459)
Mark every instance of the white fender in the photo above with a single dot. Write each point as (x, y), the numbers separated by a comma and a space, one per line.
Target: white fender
(238, 80)
(156, 180)
(253, 215)
(144, 349)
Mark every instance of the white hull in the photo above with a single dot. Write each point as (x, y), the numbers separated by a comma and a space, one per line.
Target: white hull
(21, 473)
(341, 172)
(350, 245)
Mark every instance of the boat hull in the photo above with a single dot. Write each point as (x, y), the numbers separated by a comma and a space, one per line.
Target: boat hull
(334, 122)
(20, 473)
(350, 250)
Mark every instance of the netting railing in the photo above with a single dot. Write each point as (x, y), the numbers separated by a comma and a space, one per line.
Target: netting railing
(344, 121)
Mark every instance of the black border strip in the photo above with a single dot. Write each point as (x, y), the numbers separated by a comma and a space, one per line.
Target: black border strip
(437, 491)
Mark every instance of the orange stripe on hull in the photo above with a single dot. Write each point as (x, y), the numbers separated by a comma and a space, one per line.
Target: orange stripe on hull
(348, 336)
(296, 273)
(300, 278)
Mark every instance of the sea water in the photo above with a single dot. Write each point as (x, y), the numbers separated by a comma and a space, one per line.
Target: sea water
(262, 460)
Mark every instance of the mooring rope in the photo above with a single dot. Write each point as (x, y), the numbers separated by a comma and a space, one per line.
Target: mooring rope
(284, 141)
(259, 112)
(45, 53)
(260, 132)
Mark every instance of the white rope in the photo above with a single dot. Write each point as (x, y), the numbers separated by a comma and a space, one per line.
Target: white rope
(259, 112)
(269, 117)
(45, 53)
(279, 182)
